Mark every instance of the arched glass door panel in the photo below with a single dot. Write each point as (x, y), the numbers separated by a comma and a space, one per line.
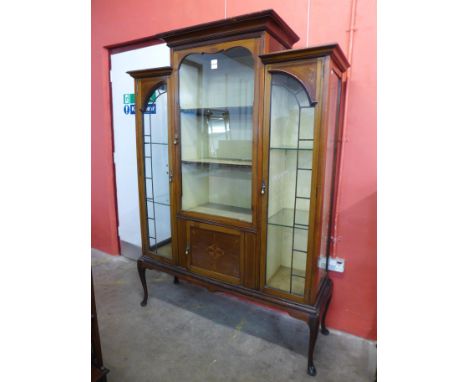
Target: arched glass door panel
(216, 105)
(158, 206)
(289, 184)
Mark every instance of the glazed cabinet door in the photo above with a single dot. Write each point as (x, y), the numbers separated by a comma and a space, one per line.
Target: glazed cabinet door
(155, 168)
(291, 117)
(216, 130)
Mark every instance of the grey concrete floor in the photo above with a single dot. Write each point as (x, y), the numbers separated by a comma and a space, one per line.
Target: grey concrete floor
(186, 333)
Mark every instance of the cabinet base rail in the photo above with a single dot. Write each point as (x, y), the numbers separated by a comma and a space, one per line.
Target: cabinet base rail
(314, 315)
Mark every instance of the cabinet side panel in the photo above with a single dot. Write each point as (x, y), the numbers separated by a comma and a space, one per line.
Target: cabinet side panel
(328, 158)
(271, 44)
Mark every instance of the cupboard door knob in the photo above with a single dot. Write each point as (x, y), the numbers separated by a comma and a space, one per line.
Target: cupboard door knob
(262, 191)
(187, 250)
(176, 139)
(170, 176)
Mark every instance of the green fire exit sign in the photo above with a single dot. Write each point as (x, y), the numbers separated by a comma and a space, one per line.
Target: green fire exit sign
(129, 98)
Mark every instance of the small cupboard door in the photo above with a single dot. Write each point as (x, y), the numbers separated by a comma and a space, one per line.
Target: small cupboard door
(289, 177)
(215, 251)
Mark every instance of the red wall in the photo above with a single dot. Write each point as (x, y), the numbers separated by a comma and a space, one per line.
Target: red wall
(354, 306)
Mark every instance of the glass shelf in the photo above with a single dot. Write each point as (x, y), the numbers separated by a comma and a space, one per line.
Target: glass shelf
(225, 162)
(285, 217)
(292, 148)
(148, 141)
(237, 213)
(204, 110)
(162, 200)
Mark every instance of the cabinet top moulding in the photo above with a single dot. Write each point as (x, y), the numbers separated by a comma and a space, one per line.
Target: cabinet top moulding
(332, 50)
(150, 73)
(249, 24)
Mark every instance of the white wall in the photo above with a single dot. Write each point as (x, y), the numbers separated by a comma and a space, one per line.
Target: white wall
(124, 134)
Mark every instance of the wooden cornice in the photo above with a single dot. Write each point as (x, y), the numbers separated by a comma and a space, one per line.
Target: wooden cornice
(154, 72)
(256, 22)
(332, 50)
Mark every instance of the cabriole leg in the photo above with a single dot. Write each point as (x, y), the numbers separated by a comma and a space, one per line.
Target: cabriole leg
(142, 273)
(324, 329)
(176, 280)
(314, 321)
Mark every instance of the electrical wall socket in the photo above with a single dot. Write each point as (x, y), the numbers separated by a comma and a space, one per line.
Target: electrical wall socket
(335, 264)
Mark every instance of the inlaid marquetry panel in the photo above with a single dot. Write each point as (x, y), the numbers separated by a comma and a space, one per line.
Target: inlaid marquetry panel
(215, 252)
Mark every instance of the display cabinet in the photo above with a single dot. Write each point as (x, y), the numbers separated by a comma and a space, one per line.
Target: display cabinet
(238, 148)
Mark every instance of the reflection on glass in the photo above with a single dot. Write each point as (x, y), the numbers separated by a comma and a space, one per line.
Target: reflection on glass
(216, 101)
(290, 178)
(155, 131)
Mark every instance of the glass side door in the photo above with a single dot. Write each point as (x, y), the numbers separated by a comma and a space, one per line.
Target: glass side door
(289, 188)
(290, 169)
(156, 171)
(216, 99)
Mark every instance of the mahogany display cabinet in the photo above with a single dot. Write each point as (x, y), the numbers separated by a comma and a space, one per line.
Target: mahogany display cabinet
(238, 152)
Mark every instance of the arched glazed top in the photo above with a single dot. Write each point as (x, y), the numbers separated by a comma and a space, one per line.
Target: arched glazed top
(216, 50)
(154, 93)
(292, 83)
(225, 78)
